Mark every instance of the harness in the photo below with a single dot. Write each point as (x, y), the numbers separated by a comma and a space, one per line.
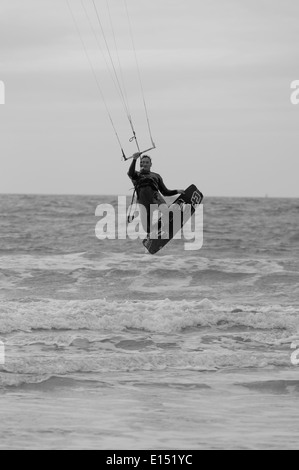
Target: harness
(146, 181)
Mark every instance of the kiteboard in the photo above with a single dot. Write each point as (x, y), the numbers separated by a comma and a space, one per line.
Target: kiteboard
(186, 204)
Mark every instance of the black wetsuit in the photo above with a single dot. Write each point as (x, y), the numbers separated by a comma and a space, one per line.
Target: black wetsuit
(147, 186)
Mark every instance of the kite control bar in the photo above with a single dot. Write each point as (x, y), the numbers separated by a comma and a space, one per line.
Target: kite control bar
(144, 151)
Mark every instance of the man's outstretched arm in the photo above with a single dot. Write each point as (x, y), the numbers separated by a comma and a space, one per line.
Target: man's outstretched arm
(168, 192)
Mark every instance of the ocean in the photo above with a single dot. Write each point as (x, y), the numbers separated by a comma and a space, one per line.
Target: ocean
(107, 347)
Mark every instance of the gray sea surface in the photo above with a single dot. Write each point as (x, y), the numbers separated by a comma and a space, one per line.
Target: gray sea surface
(107, 347)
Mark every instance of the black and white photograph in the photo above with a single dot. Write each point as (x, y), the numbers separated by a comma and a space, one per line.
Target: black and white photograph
(149, 227)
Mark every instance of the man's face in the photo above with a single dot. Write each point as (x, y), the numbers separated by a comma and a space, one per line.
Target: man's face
(145, 164)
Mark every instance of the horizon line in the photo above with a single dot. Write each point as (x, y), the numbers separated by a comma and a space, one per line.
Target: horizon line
(130, 194)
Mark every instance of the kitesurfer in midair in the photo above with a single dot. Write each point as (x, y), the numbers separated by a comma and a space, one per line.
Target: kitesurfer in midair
(149, 187)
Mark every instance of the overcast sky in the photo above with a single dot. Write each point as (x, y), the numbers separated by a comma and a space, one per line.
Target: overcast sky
(216, 76)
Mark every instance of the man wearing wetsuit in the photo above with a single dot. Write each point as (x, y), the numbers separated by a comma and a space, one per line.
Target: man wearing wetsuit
(148, 186)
